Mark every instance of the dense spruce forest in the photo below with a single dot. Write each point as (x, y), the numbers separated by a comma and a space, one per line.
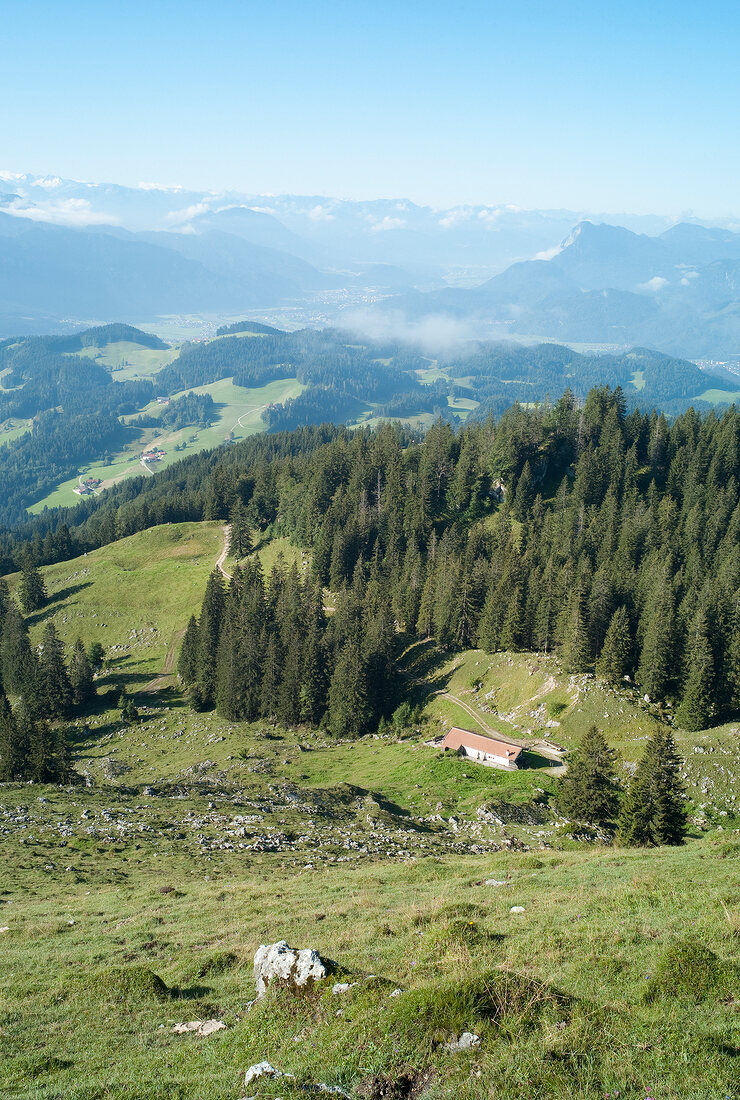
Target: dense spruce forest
(51, 381)
(267, 649)
(616, 545)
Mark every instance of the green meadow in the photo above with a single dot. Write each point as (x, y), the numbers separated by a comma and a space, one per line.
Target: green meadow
(239, 411)
(134, 899)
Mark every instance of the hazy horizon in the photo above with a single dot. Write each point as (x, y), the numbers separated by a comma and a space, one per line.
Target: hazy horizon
(546, 107)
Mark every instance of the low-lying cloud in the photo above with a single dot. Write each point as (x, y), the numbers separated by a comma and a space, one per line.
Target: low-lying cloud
(433, 334)
(73, 212)
(654, 285)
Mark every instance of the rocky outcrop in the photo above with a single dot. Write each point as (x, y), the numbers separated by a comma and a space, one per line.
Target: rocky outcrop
(278, 963)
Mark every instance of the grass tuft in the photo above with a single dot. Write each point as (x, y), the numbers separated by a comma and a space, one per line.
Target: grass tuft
(689, 969)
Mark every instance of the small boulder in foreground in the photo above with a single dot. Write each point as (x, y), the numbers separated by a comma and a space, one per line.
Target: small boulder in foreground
(278, 963)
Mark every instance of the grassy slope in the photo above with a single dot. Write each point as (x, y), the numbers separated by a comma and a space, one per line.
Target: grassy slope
(128, 360)
(134, 594)
(239, 412)
(595, 920)
(717, 397)
(594, 926)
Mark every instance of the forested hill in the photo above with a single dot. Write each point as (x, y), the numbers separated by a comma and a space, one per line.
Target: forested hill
(68, 402)
(617, 543)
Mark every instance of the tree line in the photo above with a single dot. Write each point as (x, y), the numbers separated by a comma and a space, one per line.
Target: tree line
(47, 687)
(617, 544)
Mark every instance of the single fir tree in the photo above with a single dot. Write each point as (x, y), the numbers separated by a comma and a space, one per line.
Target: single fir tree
(654, 811)
(81, 675)
(96, 656)
(187, 662)
(590, 791)
(54, 682)
(32, 590)
(614, 661)
(240, 543)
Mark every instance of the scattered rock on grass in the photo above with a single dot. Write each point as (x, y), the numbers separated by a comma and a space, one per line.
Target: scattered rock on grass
(200, 1027)
(278, 962)
(467, 1041)
(263, 1069)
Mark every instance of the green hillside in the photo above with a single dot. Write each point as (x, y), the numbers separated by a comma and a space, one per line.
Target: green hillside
(187, 840)
(239, 411)
(133, 596)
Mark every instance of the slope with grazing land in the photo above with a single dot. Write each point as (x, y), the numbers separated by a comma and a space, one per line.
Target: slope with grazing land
(132, 596)
(520, 577)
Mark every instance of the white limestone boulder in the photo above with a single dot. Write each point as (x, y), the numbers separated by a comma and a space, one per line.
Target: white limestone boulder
(278, 963)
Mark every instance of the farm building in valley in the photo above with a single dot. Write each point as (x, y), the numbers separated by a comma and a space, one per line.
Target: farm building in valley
(484, 750)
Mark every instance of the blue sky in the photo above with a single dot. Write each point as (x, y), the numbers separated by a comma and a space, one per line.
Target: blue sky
(603, 106)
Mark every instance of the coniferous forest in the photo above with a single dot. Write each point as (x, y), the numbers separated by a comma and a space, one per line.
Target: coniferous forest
(615, 544)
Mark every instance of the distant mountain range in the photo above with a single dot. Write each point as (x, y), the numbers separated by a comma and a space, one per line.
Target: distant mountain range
(76, 253)
(679, 292)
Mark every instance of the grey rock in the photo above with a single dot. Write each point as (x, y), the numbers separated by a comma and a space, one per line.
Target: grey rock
(467, 1041)
(278, 962)
(262, 1069)
(200, 1027)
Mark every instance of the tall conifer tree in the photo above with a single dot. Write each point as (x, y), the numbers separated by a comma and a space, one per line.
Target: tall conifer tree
(697, 708)
(590, 790)
(32, 590)
(53, 676)
(614, 661)
(653, 811)
(81, 675)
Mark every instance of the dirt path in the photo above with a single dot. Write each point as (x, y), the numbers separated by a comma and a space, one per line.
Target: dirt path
(473, 714)
(225, 552)
(537, 746)
(168, 667)
(165, 676)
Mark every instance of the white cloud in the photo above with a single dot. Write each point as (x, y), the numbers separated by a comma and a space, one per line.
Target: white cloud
(549, 253)
(489, 216)
(655, 284)
(320, 213)
(11, 176)
(76, 212)
(175, 217)
(264, 210)
(433, 334)
(159, 187)
(452, 218)
(388, 223)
